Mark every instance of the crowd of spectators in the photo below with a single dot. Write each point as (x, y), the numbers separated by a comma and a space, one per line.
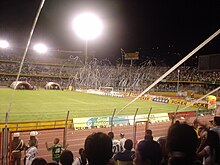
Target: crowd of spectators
(97, 74)
(184, 144)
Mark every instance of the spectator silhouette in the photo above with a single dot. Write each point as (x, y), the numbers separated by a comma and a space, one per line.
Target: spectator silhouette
(147, 153)
(149, 135)
(98, 149)
(52, 163)
(216, 127)
(182, 144)
(81, 160)
(149, 132)
(66, 157)
(210, 152)
(162, 142)
(39, 161)
(127, 154)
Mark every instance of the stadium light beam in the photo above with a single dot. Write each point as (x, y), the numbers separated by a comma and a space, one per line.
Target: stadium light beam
(40, 48)
(4, 44)
(88, 27)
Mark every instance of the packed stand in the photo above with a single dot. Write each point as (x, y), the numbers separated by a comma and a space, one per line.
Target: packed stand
(103, 73)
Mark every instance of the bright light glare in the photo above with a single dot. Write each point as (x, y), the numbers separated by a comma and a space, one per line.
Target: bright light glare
(4, 44)
(40, 48)
(87, 26)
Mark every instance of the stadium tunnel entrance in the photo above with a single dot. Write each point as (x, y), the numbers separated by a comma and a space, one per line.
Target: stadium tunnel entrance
(53, 86)
(22, 85)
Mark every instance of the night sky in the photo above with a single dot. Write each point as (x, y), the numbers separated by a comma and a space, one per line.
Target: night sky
(162, 30)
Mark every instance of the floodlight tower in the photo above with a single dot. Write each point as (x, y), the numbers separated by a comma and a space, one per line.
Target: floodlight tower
(87, 26)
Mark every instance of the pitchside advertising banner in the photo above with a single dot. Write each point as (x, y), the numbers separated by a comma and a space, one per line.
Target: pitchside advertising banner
(161, 99)
(93, 122)
(180, 102)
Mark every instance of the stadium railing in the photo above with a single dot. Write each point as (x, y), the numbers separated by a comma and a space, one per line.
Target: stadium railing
(40, 125)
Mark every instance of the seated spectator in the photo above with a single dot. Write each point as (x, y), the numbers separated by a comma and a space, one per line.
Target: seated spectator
(181, 144)
(39, 161)
(147, 153)
(126, 155)
(66, 157)
(98, 149)
(81, 160)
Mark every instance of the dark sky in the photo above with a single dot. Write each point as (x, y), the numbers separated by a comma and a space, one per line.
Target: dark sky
(165, 30)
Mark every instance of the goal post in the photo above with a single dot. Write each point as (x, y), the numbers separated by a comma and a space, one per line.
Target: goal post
(107, 89)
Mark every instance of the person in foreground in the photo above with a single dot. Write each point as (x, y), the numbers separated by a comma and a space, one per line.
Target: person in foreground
(66, 158)
(98, 149)
(182, 145)
(147, 153)
(39, 161)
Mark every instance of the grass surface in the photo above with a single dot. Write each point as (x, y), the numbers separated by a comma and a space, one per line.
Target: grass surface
(45, 105)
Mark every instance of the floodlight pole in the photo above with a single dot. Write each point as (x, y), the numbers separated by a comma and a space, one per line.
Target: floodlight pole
(86, 51)
(178, 81)
(122, 60)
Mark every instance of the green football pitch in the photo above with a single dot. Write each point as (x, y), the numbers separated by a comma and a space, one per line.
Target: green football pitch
(48, 105)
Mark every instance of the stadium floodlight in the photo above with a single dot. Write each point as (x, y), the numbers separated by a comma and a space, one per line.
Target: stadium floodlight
(40, 48)
(87, 26)
(4, 44)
